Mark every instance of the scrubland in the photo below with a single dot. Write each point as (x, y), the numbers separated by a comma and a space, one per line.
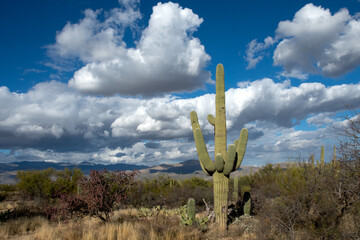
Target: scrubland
(306, 200)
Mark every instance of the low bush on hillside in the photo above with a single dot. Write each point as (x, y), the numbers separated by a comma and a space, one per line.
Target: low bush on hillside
(306, 201)
(5, 190)
(97, 196)
(166, 191)
(49, 183)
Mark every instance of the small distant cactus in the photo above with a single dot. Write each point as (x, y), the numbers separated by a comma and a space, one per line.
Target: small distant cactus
(188, 214)
(335, 164)
(172, 183)
(191, 209)
(322, 161)
(247, 205)
(312, 159)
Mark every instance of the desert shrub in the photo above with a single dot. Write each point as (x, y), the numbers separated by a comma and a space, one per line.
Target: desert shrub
(36, 183)
(98, 196)
(22, 212)
(165, 191)
(306, 201)
(5, 190)
(48, 183)
(67, 181)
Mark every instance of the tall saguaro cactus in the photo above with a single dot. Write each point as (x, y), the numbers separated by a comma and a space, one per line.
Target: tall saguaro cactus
(226, 160)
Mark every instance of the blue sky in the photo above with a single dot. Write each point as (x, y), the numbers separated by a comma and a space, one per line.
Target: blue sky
(115, 81)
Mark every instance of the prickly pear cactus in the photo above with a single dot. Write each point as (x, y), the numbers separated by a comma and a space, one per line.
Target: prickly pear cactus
(226, 160)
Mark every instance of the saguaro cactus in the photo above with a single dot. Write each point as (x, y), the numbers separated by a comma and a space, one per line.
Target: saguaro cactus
(226, 160)
(322, 161)
(247, 205)
(312, 159)
(191, 209)
(188, 216)
(236, 189)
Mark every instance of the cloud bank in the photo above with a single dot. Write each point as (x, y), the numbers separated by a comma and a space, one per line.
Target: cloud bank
(167, 58)
(313, 42)
(53, 121)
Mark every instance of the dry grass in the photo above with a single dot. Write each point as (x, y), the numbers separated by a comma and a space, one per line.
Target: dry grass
(21, 226)
(125, 225)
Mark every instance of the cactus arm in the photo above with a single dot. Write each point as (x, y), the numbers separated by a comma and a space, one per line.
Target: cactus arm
(194, 121)
(211, 119)
(241, 147)
(219, 162)
(203, 154)
(230, 160)
(322, 156)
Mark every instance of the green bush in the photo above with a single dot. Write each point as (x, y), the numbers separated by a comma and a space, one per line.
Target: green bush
(306, 202)
(48, 183)
(166, 191)
(5, 190)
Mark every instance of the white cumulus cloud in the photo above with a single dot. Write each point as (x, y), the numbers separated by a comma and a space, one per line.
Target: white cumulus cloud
(167, 58)
(254, 51)
(53, 122)
(315, 41)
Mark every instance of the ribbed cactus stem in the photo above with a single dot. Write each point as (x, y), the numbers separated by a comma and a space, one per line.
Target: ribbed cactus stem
(334, 159)
(191, 209)
(225, 161)
(236, 189)
(322, 161)
(312, 159)
(247, 205)
(221, 189)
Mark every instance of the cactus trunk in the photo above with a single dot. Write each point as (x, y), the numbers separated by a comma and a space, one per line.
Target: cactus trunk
(226, 161)
(221, 182)
(221, 189)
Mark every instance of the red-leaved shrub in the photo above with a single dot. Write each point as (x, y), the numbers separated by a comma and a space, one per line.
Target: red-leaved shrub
(96, 197)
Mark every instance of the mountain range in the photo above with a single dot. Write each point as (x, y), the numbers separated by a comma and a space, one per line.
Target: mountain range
(183, 169)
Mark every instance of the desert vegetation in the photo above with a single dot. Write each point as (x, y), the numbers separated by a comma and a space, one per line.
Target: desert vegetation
(309, 199)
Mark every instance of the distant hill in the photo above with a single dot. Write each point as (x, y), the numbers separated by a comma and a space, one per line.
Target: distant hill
(8, 170)
(84, 166)
(185, 169)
